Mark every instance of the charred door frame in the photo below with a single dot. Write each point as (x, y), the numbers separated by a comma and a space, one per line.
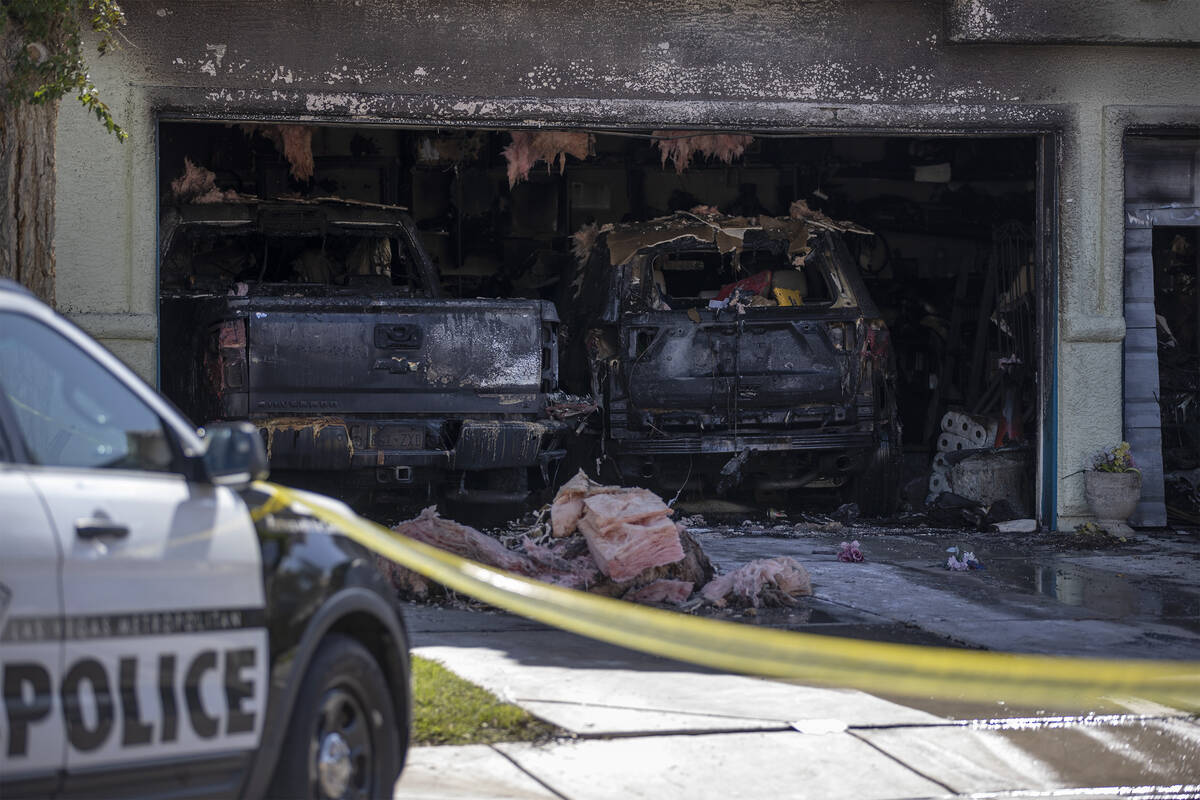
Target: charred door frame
(1046, 244)
(1047, 124)
(1120, 214)
(1147, 216)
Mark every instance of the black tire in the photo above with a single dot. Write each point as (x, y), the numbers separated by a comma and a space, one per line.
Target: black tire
(344, 712)
(876, 489)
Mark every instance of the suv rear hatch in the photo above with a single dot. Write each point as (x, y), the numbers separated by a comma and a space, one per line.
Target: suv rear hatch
(758, 361)
(729, 355)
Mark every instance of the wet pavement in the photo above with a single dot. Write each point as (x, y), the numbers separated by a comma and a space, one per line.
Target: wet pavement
(1138, 600)
(641, 726)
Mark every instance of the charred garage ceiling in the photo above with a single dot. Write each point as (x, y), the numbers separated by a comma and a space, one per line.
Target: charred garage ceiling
(764, 316)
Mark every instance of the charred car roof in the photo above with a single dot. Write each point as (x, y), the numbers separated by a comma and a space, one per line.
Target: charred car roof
(698, 230)
(289, 216)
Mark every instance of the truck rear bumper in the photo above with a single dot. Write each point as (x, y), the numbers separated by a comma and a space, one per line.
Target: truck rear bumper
(729, 443)
(344, 444)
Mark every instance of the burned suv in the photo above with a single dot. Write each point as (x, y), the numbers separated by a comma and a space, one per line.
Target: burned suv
(734, 352)
(324, 323)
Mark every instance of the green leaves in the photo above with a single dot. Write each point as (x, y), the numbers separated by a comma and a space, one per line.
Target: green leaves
(50, 61)
(89, 96)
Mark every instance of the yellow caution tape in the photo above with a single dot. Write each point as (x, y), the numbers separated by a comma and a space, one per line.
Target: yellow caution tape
(879, 667)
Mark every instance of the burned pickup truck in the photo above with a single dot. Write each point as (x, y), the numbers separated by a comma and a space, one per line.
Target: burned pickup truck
(734, 353)
(323, 322)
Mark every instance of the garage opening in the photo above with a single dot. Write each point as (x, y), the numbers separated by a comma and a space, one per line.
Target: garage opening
(1176, 261)
(931, 240)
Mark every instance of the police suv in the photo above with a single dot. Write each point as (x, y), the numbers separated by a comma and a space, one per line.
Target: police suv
(168, 626)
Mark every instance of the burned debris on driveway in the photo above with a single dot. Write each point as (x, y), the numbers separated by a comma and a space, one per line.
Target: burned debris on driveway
(609, 540)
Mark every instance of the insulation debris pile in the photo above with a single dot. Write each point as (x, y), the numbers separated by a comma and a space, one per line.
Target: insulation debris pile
(609, 540)
(765, 582)
(627, 530)
(606, 540)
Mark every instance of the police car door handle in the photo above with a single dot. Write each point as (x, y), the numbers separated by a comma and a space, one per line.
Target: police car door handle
(96, 527)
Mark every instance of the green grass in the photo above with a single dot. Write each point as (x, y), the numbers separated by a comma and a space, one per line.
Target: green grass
(450, 710)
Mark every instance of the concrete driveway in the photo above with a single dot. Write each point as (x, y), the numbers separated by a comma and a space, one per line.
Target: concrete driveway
(644, 727)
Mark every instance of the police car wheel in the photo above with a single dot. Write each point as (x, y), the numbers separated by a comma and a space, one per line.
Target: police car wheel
(342, 741)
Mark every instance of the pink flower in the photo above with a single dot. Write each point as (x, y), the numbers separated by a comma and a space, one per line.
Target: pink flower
(850, 552)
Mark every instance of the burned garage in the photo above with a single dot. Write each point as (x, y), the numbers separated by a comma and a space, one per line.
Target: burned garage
(474, 315)
(858, 340)
(786, 256)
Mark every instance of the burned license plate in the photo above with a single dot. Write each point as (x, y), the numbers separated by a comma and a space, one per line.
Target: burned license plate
(400, 438)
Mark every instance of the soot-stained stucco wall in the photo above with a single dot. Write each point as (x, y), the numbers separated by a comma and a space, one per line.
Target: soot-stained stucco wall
(872, 51)
(881, 66)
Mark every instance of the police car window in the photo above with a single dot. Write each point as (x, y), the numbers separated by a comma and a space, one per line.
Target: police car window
(68, 410)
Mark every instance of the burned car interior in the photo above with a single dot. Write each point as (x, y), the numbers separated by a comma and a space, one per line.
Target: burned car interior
(697, 279)
(790, 319)
(210, 247)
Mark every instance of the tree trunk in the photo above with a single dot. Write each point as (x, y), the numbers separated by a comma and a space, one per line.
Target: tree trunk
(26, 185)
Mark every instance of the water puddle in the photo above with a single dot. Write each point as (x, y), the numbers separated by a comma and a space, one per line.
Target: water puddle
(1102, 591)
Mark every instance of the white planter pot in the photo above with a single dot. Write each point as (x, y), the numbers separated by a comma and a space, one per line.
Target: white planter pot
(1112, 497)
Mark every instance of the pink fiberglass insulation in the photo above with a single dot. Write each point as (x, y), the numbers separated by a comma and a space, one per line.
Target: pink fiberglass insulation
(581, 486)
(199, 185)
(527, 148)
(626, 529)
(574, 572)
(661, 591)
(464, 541)
(630, 505)
(554, 146)
(297, 149)
(293, 141)
(564, 516)
(800, 210)
(567, 507)
(583, 240)
(764, 582)
(680, 146)
(520, 157)
(624, 550)
(406, 582)
(550, 564)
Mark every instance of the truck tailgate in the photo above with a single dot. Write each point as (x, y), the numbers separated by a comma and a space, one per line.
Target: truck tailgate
(338, 355)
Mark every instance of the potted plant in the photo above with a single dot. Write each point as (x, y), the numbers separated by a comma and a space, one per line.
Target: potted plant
(1113, 487)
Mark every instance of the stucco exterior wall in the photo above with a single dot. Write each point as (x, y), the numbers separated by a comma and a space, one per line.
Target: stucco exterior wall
(875, 66)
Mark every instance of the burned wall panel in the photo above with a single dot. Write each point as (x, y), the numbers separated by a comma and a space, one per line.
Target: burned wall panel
(1162, 190)
(1098, 22)
(355, 60)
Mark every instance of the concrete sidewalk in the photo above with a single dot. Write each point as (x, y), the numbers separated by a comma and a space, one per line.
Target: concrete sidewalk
(646, 727)
(651, 728)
